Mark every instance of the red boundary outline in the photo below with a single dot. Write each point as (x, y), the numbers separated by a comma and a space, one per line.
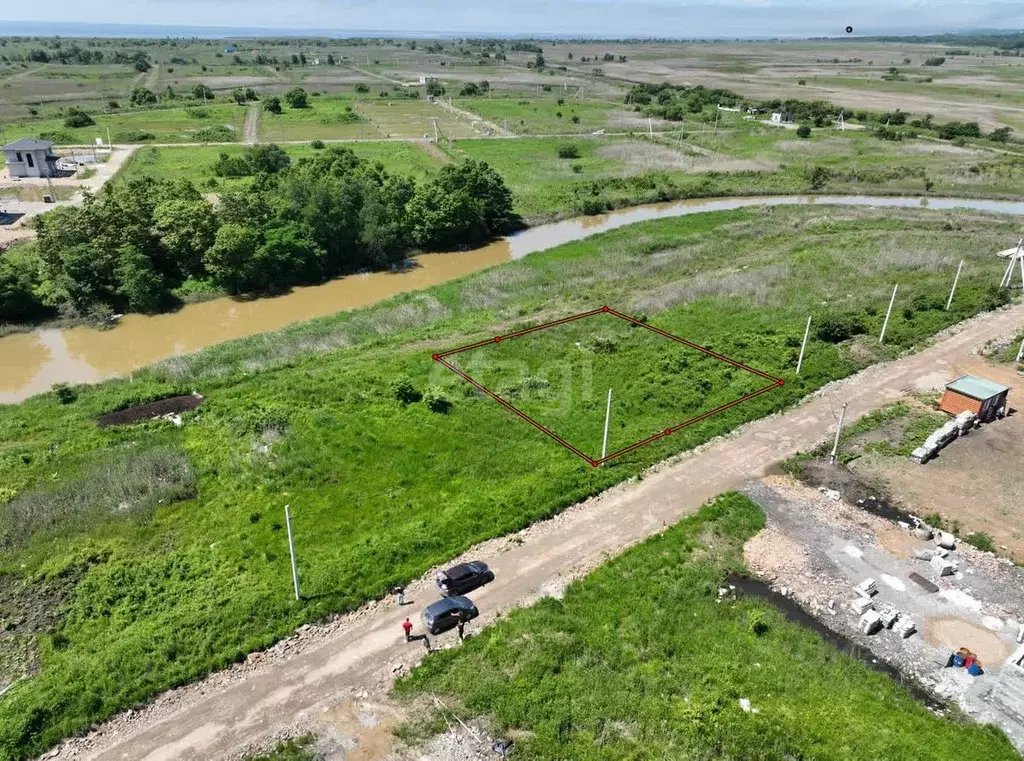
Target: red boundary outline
(440, 357)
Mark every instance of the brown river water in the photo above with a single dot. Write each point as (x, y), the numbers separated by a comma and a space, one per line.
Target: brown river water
(31, 363)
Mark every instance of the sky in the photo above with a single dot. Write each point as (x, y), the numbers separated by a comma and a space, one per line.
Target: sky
(622, 18)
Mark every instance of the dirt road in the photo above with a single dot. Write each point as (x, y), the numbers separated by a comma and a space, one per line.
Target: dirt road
(303, 681)
(250, 129)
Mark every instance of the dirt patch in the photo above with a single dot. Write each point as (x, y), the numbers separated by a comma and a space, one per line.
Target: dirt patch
(833, 146)
(773, 555)
(172, 405)
(954, 633)
(645, 157)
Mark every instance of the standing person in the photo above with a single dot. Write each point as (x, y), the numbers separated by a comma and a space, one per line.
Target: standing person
(399, 592)
(407, 627)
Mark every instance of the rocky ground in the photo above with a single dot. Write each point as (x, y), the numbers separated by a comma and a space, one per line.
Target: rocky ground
(815, 548)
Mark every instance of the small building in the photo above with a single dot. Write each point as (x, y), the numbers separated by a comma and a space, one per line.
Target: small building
(29, 157)
(984, 398)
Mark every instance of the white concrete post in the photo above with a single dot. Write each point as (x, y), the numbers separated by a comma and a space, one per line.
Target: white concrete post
(839, 430)
(1020, 353)
(956, 280)
(803, 346)
(291, 549)
(607, 418)
(888, 313)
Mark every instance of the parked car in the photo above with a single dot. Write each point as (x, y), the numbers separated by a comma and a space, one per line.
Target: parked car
(464, 577)
(444, 614)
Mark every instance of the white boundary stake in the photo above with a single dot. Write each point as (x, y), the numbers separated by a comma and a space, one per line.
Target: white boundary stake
(839, 429)
(291, 548)
(955, 281)
(803, 346)
(1020, 354)
(607, 417)
(888, 313)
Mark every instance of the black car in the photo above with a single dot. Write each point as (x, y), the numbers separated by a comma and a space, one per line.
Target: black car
(464, 577)
(445, 614)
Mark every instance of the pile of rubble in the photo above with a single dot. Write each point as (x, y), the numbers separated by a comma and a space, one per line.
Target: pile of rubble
(958, 426)
(886, 617)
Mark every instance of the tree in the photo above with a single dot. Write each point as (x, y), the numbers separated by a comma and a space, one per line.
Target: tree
(229, 261)
(936, 61)
(803, 131)
(76, 117)
(202, 92)
(142, 96)
(272, 104)
(186, 228)
(538, 61)
(297, 98)
(1000, 135)
(471, 89)
(140, 285)
(286, 256)
(330, 60)
(364, 88)
(465, 203)
(238, 95)
(20, 277)
(434, 88)
(267, 158)
(570, 151)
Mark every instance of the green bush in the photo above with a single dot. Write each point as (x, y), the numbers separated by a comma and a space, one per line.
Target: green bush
(317, 145)
(803, 131)
(981, 540)
(76, 117)
(437, 402)
(404, 391)
(64, 393)
(835, 327)
(568, 151)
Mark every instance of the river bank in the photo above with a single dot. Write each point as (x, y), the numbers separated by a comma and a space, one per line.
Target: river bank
(37, 359)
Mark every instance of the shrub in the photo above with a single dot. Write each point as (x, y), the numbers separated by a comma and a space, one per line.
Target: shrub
(835, 327)
(272, 104)
(134, 136)
(361, 88)
(297, 98)
(936, 61)
(317, 145)
(64, 393)
(757, 623)
(577, 168)
(216, 133)
(803, 131)
(981, 540)
(403, 390)
(437, 402)
(575, 119)
(76, 117)
(568, 152)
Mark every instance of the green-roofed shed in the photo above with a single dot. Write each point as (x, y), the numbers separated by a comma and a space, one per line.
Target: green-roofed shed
(983, 397)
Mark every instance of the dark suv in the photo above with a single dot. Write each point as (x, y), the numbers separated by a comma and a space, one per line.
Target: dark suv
(464, 577)
(445, 614)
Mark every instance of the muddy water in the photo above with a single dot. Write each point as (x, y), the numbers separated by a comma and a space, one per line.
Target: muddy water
(32, 362)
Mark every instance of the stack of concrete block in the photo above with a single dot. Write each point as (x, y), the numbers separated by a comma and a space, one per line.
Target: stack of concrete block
(866, 588)
(870, 622)
(888, 615)
(943, 435)
(945, 540)
(942, 566)
(861, 604)
(904, 627)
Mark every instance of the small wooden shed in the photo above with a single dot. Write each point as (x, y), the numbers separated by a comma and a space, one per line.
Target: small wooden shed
(983, 397)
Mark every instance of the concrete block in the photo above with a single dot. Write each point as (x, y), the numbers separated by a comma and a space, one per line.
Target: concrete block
(870, 622)
(888, 615)
(867, 587)
(920, 455)
(945, 540)
(924, 554)
(861, 604)
(923, 532)
(943, 567)
(904, 627)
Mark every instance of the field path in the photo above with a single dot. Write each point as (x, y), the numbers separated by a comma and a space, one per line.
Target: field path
(306, 682)
(250, 129)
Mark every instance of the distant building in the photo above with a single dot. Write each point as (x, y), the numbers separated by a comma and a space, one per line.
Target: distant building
(229, 49)
(30, 158)
(984, 398)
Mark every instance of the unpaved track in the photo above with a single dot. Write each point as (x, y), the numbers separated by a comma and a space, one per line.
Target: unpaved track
(250, 129)
(229, 711)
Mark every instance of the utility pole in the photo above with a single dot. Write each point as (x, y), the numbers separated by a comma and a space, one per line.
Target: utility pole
(607, 418)
(650, 127)
(1020, 353)
(718, 110)
(839, 430)
(955, 281)
(433, 120)
(110, 145)
(888, 313)
(291, 549)
(803, 346)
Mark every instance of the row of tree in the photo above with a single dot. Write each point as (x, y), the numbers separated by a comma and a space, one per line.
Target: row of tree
(131, 246)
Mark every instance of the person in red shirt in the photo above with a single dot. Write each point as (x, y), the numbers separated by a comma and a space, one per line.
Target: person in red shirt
(407, 626)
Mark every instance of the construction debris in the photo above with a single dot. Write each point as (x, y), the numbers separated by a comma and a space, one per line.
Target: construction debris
(861, 604)
(942, 566)
(943, 435)
(945, 540)
(870, 622)
(867, 587)
(888, 614)
(904, 627)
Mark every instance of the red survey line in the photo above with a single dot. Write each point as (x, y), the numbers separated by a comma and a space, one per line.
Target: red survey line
(691, 421)
(439, 357)
(513, 409)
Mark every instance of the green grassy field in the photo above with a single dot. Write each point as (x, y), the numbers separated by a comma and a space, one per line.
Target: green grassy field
(158, 553)
(327, 118)
(640, 659)
(407, 117)
(170, 125)
(196, 163)
(539, 115)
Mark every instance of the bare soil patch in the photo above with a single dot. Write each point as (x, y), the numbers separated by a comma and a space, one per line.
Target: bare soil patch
(645, 157)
